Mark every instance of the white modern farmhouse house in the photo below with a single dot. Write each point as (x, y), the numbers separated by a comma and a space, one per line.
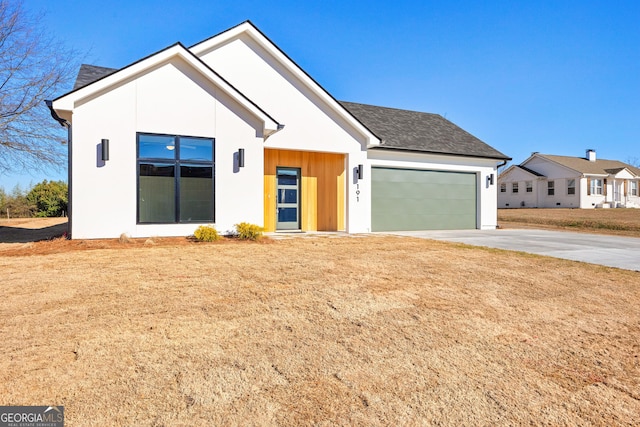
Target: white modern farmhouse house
(231, 130)
(548, 181)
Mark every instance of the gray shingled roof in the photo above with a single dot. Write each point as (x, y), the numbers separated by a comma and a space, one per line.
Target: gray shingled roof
(89, 74)
(584, 166)
(416, 131)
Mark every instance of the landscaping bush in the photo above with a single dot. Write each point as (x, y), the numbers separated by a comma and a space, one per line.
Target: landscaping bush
(246, 231)
(206, 233)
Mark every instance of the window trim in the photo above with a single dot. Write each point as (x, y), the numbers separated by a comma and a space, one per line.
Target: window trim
(571, 187)
(503, 187)
(177, 162)
(633, 191)
(515, 187)
(593, 186)
(551, 188)
(528, 186)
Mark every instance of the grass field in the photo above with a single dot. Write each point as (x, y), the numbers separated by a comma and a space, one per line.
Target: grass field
(316, 331)
(607, 221)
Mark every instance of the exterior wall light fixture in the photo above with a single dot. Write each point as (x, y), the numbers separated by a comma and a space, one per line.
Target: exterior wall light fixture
(240, 157)
(105, 149)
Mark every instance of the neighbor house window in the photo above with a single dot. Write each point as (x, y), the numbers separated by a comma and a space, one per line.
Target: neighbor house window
(175, 179)
(634, 188)
(550, 188)
(529, 185)
(503, 187)
(595, 187)
(514, 187)
(571, 186)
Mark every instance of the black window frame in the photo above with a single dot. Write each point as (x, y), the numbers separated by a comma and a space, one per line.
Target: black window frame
(177, 162)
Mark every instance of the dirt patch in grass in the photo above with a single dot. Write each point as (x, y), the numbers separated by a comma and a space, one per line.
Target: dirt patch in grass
(604, 221)
(319, 331)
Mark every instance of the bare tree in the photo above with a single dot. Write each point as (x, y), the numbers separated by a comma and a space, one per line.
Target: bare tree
(33, 67)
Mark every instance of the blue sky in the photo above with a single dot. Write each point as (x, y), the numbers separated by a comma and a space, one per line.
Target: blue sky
(556, 77)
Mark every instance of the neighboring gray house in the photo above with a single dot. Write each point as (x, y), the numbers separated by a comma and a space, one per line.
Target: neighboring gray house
(550, 181)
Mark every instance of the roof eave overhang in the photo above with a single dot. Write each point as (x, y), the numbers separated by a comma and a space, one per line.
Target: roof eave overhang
(65, 104)
(416, 151)
(247, 28)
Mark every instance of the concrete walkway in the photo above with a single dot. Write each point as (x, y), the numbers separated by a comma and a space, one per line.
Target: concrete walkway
(611, 251)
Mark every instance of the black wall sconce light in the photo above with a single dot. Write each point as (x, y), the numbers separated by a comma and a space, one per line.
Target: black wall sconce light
(360, 171)
(105, 149)
(490, 179)
(240, 157)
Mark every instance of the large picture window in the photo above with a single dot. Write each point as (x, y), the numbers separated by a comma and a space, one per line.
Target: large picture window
(175, 179)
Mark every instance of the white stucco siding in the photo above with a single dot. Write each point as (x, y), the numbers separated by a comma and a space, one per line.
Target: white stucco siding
(486, 193)
(167, 100)
(310, 125)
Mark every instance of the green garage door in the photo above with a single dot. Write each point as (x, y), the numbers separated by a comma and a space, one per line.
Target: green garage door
(408, 199)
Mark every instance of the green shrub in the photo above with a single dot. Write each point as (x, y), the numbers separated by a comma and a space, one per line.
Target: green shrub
(206, 233)
(246, 231)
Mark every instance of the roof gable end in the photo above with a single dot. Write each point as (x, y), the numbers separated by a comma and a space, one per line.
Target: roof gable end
(111, 78)
(248, 29)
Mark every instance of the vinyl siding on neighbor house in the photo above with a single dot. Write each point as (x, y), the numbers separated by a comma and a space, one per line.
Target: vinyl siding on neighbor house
(542, 169)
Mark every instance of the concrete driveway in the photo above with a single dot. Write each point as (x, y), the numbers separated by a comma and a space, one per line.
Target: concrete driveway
(611, 251)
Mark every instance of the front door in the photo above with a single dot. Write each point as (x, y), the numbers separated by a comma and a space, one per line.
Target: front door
(617, 191)
(288, 199)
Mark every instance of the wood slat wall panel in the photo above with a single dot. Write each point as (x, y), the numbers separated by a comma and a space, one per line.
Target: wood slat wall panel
(322, 188)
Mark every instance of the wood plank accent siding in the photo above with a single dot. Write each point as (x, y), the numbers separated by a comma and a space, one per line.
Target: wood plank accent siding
(322, 190)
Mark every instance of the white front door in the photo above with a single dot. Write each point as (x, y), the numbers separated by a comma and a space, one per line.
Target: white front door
(617, 191)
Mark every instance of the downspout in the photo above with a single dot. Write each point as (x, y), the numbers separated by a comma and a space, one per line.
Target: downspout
(65, 123)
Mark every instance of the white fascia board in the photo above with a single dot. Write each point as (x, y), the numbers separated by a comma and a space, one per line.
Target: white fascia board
(67, 103)
(248, 29)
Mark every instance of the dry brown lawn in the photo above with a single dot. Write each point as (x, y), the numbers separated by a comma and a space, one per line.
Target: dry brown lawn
(605, 221)
(316, 331)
